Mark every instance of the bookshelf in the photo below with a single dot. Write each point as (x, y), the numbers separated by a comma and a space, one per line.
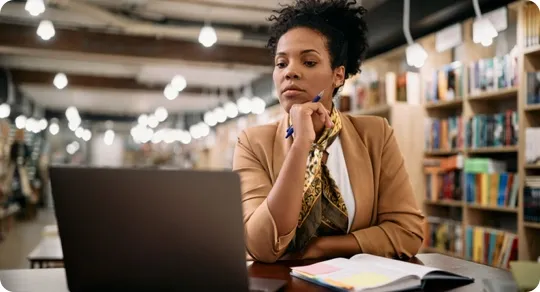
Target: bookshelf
(504, 220)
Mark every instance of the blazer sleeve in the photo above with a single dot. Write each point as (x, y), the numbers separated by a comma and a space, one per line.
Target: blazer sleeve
(261, 236)
(399, 229)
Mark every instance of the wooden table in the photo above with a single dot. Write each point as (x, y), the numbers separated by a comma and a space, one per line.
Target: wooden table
(48, 252)
(49, 280)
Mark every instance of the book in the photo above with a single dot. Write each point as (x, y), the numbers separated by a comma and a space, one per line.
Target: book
(365, 272)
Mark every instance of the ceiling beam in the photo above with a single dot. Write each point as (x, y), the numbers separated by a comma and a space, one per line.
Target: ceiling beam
(22, 77)
(22, 39)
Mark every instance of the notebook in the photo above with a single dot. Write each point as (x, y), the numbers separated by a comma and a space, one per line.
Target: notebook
(366, 272)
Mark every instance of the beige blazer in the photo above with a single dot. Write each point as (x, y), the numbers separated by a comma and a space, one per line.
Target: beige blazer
(387, 220)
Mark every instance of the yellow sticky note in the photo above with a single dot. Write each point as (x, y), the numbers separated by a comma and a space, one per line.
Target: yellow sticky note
(365, 280)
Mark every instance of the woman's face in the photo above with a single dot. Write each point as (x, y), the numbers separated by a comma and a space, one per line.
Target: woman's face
(303, 68)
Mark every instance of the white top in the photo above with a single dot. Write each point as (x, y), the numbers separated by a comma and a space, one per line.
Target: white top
(338, 171)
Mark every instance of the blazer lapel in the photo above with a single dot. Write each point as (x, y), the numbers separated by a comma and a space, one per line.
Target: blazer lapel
(281, 147)
(360, 172)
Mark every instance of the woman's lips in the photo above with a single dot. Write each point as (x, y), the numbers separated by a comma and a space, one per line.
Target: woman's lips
(292, 92)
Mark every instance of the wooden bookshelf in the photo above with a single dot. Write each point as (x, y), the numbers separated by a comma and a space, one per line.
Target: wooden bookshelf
(492, 208)
(450, 203)
(489, 102)
(450, 104)
(373, 111)
(532, 166)
(534, 225)
(442, 152)
(495, 95)
(487, 150)
(532, 107)
(532, 51)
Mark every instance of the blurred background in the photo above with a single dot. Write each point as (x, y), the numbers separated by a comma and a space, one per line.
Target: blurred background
(171, 83)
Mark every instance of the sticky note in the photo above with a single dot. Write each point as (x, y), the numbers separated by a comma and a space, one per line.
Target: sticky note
(317, 269)
(365, 280)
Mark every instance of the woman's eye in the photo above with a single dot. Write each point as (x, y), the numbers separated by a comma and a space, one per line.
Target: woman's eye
(310, 63)
(280, 65)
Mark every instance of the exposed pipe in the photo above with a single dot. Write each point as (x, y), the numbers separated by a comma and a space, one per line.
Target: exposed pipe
(407, 20)
(477, 8)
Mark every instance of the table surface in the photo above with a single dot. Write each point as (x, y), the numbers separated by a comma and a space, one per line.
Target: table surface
(48, 280)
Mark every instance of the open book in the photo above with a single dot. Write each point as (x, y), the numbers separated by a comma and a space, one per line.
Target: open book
(364, 272)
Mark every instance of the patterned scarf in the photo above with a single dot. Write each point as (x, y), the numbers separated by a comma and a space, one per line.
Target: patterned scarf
(323, 210)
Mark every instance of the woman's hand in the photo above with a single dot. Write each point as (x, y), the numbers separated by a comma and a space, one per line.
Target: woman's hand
(330, 247)
(313, 250)
(308, 119)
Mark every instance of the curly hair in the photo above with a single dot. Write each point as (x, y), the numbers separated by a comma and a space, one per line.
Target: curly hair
(340, 21)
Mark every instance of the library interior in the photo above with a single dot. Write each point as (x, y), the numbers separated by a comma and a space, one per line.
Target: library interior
(115, 115)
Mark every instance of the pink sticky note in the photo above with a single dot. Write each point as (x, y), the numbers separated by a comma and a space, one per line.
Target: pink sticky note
(317, 269)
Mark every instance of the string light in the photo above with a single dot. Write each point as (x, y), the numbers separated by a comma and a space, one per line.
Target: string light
(207, 36)
(46, 30)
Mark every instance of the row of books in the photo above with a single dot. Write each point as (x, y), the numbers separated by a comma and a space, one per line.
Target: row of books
(492, 189)
(444, 234)
(492, 74)
(370, 89)
(444, 134)
(491, 247)
(443, 178)
(532, 150)
(531, 199)
(488, 183)
(493, 130)
(532, 25)
(533, 87)
(445, 84)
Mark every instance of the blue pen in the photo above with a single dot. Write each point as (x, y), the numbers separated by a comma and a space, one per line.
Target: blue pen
(290, 130)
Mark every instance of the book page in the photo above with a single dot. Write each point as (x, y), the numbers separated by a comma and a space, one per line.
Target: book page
(359, 275)
(393, 265)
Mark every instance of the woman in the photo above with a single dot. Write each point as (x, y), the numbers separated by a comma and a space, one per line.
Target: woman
(353, 195)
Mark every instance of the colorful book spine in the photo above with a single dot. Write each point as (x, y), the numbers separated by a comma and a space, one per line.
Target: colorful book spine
(490, 247)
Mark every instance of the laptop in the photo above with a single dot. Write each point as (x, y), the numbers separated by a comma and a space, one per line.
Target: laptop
(152, 230)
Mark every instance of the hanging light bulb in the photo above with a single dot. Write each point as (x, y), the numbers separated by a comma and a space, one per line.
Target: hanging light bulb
(20, 122)
(231, 109)
(79, 132)
(185, 137)
(194, 131)
(34, 7)
(46, 30)
(179, 83)
(54, 129)
(207, 36)
(60, 81)
(29, 125)
(43, 124)
(170, 92)
(161, 114)
(484, 32)
(5, 110)
(108, 138)
(244, 105)
(153, 121)
(203, 129)
(210, 119)
(87, 135)
(220, 114)
(143, 120)
(416, 55)
(258, 105)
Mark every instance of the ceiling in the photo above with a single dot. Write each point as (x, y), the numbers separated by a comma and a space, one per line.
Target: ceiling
(146, 41)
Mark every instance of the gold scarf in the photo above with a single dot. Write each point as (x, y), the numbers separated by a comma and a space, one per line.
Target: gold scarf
(323, 210)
